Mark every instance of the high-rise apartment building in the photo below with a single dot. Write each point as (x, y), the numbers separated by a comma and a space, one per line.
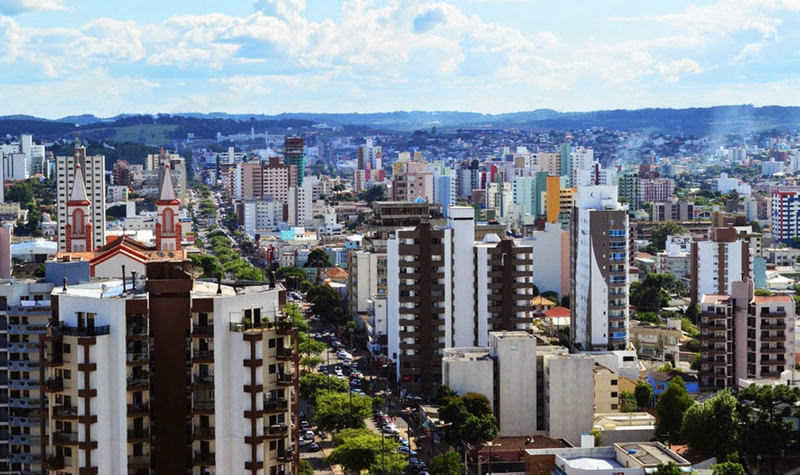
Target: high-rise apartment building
(565, 152)
(24, 313)
(785, 217)
(93, 172)
(599, 269)
(716, 263)
(628, 184)
(294, 154)
(369, 156)
(653, 190)
(171, 375)
(445, 290)
(413, 180)
(745, 336)
(257, 180)
(672, 210)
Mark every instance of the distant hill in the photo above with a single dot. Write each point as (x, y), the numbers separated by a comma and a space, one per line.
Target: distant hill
(164, 128)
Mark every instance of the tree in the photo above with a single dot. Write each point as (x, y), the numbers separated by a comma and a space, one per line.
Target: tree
(305, 467)
(318, 258)
(644, 394)
(291, 275)
(210, 265)
(652, 293)
(312, 384)
(362, 449)
(668, 469)
(692, 313)
(465, 425)
(374, 193)
(21, 193)
(727, 468)
(448, 463)
(659, 233)
(765, 409)
(670, 408)
(565, 300)
(695, 364)
(336, 411)
(627, 402)
(443, 393)
(719, 412)
(327, 303)
(550, 295)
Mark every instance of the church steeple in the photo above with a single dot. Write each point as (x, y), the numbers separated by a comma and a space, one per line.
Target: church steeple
(168, 231)
(78, 229)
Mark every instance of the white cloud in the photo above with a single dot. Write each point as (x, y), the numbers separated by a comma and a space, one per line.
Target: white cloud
(16, 7)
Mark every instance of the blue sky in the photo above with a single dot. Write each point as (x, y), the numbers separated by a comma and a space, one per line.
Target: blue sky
(62, 57)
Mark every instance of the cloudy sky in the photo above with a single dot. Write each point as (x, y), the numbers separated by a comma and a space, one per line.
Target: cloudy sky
(104, 57)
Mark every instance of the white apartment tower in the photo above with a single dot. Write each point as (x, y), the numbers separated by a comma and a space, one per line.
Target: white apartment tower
(93, 172)
(599, 269)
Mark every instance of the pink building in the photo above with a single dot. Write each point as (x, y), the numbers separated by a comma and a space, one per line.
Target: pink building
(655, 190)
(413, 181)
(273, 178)
(5, 251)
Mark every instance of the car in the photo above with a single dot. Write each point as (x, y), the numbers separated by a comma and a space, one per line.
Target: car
(317, 336)
(390, 429)
(325, 372)
(402, 441)
(304, 425)
(309, 434)
(357, 392)
(313, 447)
(423, 473)
(303, 442)
(406, 451)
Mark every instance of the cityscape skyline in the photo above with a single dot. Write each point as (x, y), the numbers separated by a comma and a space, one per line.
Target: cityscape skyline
(352, 56)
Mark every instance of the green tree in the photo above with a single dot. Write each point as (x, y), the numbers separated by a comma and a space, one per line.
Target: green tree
(766, 410)
(728, 468)
(693, 313)
(312, 384)
(670, 408)
(362, 449)
(695, 364)
(464, 425)
(374, 193)
(565, 300)
(305, 467)
(291, 275)
(652, 293)
(644, 394)
(21, 192)
(443, 393)
(719, 412)
(448, 463)
(210, 265)
(318, 258)
(336, 411)
(627, 402)
(668, 469)
(327, 303)
(550, 295)
(477, 404)
(659, 233)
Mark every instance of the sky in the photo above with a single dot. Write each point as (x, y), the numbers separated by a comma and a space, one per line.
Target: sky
(106, 57)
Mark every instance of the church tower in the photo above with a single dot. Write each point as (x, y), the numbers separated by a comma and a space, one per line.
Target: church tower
(78, 229)
(168, 231)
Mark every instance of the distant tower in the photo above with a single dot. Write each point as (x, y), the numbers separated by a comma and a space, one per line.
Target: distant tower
(168, 231)
(78, 229)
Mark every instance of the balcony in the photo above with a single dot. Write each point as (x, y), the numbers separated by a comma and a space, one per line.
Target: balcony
(275, 405)
(778, 350)
(203, 433)
(65, 412)
(138, 461)
(54, 385)
(277, 431)
(203, 458)
(203, 331)
(55, 462)
(285, 456)
(203, 356)
(203, 407)
(765, 325)
(138, 409)
(286, 379)
(284, 353)
(137, 358)
(203, 380)
(140, 381)
(97, 330)
(138, 435)
(282, 327)
(65, 438)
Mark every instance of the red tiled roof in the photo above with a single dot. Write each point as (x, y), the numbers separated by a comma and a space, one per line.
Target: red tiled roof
(557, 312)
(780, 298)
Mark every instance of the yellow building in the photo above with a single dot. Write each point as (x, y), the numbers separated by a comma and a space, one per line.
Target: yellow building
(552, 198)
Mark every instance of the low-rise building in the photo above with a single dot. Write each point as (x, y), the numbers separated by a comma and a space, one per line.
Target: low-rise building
(630, 458)
(657, 342)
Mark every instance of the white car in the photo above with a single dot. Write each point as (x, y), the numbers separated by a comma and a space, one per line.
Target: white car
(303, 442)
(339, 372)
(309, 435)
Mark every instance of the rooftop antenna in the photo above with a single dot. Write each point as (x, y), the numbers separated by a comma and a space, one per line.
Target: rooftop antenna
(64, 283)
(219, 284)
(124, 288)
(133, 281)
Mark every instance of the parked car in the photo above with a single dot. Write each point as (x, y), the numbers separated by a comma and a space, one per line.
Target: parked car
(313, 447)
(309, 434)
(303, 442)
